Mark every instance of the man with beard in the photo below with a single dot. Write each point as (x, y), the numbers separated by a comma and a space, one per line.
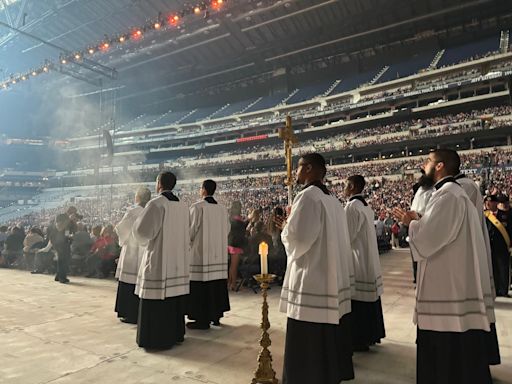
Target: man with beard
(500, 233)
(368, 320)
(317, 285)
(209, 229)
(163, 280)
(450, 313)
(422, 193)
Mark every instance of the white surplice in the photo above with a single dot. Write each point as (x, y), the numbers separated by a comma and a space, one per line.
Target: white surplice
(420, 200)
(131, 252)
(473, 191)
(448, 243)
(317, 284)
(209, 229)
(163, 229)
(365, 252)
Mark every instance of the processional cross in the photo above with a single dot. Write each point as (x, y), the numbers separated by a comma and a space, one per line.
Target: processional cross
(288, 136)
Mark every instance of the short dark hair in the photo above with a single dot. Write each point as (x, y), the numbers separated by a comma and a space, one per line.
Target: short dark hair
(167, 180)
(209, 186)
(317, 161)
(449, 158)
(358, 182)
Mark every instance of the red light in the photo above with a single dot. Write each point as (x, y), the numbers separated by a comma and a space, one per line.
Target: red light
(216, 4)
(137, 34)
(105, 46)
(174, 19)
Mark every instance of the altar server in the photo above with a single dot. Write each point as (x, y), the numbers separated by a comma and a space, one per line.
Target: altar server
(316, 291)
(473, 192)
(127, 302)
(450, 311)
(209, 229)
(368, 320)
(163, 279)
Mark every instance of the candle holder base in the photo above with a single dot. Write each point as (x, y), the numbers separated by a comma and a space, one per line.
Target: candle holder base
(264, 374)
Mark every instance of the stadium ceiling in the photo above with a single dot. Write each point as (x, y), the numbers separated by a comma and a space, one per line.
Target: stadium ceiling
(243, 39)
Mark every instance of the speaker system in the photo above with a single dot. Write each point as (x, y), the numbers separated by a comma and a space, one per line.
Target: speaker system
(110, 144)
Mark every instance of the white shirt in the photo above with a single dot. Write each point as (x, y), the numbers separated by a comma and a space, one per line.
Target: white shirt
(420, 200)
(447, 243)
(163, 229)
(131, 252)
(209, 229)
(365, 252)
(317, 285)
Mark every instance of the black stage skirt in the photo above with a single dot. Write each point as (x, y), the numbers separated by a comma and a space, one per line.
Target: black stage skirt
(493, 347)
(318, 353)
(161, 323)
(368, 323)
(127, 302)
(208, 300)
(452, 357)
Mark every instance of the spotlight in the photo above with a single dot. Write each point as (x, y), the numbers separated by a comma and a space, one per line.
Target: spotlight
(34, 73)
(4, 86)
(45, 69)
(23, 77)
(105, 46)
(13, 82)
(63, 61)
(157, 25)
(77, 56)
(91, 51)
(174, 19)
(122, 39)
(136, 34)
(197, 10)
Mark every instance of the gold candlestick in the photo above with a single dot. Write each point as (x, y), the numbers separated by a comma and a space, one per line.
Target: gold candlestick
(264, 374)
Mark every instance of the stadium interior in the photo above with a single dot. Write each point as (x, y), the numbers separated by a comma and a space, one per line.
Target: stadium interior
(97, 97)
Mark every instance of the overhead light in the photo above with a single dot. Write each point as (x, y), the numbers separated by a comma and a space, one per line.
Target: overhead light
(34, 73)
(45, 69)
(91, 51)
(63, 61)
(77, 56)
(197, 10)
(157, 25)
(23, 77)
(13, 81)
(122, 39)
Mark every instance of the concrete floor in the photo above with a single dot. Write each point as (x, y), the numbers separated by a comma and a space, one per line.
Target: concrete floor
(54, 333)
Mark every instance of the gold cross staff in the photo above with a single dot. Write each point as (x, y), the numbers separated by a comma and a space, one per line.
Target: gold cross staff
(289, 138)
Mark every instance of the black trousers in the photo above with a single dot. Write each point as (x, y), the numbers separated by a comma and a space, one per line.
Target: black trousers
(62, 266)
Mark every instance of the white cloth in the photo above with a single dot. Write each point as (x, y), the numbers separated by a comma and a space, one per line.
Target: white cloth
(209, 229)
(420, 200)
(131, 252)
(163, 229)
(473, 192)
(447, 243)
(365, 252)
(317, 284)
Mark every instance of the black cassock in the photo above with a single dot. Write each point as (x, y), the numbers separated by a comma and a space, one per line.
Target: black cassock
(500, 253)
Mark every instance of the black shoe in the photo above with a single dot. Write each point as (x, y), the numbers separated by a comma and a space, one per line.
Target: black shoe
(197, 325)
(128, 321)
(64, 281)
(56, 278)
(216, 322)
(36, 272)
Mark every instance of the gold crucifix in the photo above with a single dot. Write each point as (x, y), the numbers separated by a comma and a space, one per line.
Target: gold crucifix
(289, 138)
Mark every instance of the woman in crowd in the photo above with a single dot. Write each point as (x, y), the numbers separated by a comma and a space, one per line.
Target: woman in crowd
(236, 242)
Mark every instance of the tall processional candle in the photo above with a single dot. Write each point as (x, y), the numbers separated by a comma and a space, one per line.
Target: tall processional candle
(263, 251)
